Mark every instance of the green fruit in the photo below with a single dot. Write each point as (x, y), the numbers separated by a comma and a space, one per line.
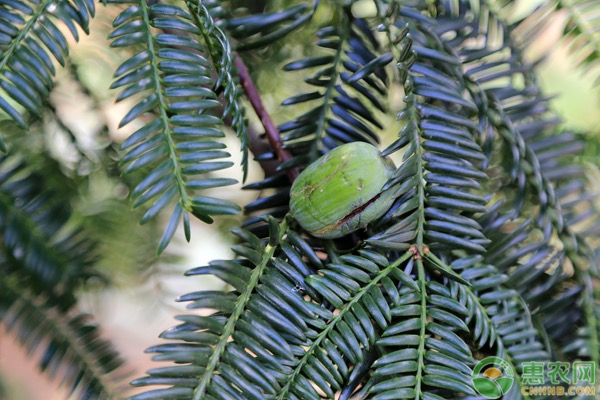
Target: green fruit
(341, 191)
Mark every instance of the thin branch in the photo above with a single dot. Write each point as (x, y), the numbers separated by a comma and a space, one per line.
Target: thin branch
(256, 145)
(271, 131)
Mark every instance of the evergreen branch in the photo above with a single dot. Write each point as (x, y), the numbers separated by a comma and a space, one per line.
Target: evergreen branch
(484, 330)
(543, 187)
(309, 330)
(259, 30)
(240, 306)
(529, 169)
(439, 137)
(220, 50)
(72, 341)
(526, 160)
(582, 30)
(30, 38)
(44, 261)
(338, 117)
(177, 144)
(418, 155)
(284, 392)
(37, 236)
(422, 279)
(590, 309)
(184, 202)
(315, 149)
(496, 327)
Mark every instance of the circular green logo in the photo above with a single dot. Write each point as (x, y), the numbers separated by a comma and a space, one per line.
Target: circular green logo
(493, 377)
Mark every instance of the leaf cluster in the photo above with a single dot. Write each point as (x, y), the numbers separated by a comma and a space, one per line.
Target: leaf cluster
(490, 246)
(481, 253)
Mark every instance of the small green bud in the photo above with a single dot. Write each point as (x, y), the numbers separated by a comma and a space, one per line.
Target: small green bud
(340, 192)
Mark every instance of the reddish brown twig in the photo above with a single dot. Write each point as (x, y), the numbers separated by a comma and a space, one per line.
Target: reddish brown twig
(271, 131)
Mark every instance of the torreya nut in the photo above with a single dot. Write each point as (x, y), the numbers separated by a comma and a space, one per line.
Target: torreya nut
(341, 191)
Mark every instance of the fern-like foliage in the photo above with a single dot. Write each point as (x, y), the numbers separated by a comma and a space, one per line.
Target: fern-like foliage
(221, 52)
(577, 17)
(337, 116)
(178, 144)
(582, 30)
(540, 167)
(31, 41)
(258, 30)
(44, 260)
(488, 249)
(488, 243)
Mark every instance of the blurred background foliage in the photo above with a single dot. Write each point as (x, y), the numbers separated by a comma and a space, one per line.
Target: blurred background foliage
(78, 138)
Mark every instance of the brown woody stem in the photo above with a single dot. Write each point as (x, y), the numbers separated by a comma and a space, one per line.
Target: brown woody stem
(271, 131)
